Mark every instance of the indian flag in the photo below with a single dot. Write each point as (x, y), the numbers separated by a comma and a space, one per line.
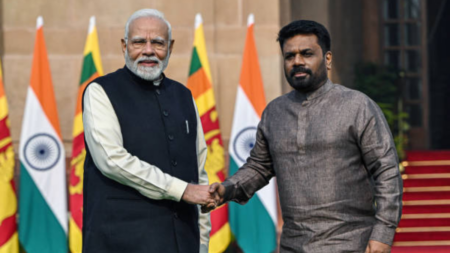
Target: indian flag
(254, 224)
(42, 203)
(200, 84)
(92, 68)
(9, 240)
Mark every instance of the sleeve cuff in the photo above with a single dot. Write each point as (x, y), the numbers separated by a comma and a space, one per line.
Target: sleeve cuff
(229, 191)
(176, 189)
(381, 233)
(234, 192)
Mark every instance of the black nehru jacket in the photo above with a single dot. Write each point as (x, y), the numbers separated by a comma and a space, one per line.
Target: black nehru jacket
(152, 119)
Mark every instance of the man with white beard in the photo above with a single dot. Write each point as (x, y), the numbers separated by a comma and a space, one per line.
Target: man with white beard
(145, 152)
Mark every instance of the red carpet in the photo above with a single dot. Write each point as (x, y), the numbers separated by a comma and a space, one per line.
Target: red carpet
(421, 249)
(425, 223)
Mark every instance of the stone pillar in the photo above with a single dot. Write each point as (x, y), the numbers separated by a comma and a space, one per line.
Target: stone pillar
(345, 27)
(1, 29)
(306, 10)
(371, 31)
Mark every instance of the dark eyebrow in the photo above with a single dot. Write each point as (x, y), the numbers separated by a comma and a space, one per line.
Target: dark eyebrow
(303, 51)
(306, 50)
(288, 54)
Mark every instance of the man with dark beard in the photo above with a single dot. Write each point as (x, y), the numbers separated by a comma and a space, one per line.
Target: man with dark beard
(332, 153)
(145, 152)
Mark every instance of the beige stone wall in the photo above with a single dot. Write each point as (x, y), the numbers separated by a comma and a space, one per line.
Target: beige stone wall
(65, 29)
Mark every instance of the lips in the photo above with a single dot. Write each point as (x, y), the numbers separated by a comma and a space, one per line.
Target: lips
(300, 74)
(148, 63)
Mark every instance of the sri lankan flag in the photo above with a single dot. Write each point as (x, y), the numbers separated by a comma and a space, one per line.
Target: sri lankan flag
(92, 68)
(200, 84)
(9, 241)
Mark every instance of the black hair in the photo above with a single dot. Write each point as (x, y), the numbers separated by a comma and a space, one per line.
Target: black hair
(306, 27)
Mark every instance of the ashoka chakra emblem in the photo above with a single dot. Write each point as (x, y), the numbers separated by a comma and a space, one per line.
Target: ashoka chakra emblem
(42, 151)
(244, 143)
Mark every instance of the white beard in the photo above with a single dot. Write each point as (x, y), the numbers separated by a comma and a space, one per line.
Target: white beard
(146, 73)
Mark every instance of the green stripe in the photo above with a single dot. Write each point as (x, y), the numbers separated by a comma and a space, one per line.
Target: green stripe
(195, 62)
(88, 68)
(251, 224)
(39, 230)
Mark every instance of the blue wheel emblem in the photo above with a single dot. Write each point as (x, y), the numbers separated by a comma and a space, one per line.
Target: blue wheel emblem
(42, 152)
(244, 143)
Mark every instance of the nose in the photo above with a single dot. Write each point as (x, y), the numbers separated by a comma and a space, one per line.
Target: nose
(298, 60)
(148, 49)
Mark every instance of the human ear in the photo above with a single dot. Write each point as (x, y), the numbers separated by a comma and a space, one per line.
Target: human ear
(328, 59)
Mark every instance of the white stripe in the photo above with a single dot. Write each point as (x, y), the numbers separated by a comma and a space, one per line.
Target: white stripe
(51, 183)
(269, 199)
(246, 116)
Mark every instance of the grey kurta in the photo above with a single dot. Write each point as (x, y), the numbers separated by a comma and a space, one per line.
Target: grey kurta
(333, 155)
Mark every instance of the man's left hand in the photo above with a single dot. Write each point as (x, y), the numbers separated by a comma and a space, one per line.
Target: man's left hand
(377, 247)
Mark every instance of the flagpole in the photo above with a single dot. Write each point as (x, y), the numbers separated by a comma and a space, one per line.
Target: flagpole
(39, 22)
(250, 19)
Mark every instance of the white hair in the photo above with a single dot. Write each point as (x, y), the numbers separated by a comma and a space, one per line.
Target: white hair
(147, 13)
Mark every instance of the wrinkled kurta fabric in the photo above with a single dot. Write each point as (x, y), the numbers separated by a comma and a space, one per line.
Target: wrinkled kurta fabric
(332, 153)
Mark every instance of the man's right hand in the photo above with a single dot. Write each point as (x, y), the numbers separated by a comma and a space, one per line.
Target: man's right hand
(199, 194)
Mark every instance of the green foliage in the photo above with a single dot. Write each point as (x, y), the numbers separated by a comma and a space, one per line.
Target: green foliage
(382, 84)
(378, 82)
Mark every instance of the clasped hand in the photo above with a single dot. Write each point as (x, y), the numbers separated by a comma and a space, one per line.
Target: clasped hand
(208, 196)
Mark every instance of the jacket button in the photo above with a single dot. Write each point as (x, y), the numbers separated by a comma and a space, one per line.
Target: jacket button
(165, 113)
(157, 91)
(175, 215)
(174, 162)
(170, 137)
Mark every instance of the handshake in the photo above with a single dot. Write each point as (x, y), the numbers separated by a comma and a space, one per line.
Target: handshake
(208, 196)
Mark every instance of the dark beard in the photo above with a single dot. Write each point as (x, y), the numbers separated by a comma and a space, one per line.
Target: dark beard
(310, 82)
